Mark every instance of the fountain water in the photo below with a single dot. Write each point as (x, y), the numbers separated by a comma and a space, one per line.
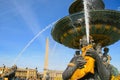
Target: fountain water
(86, 14)
(31, 41)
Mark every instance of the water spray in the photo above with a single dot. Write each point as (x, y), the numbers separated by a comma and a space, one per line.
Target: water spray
(86, 14)
(31, 41)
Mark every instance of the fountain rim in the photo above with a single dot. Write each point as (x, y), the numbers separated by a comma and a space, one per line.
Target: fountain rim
(82, 12)
(56, 35)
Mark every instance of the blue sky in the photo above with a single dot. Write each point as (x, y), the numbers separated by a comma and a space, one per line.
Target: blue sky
(21, 20)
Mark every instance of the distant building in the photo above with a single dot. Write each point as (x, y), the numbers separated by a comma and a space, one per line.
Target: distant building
(1, 71)
(25, 73)
(20, 72)
(4, 70)
(55, 75)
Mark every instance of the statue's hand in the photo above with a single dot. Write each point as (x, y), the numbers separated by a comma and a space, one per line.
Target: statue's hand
(92, 53)
(80, 62)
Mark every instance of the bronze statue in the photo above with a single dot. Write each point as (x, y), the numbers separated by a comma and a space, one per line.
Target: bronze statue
(87, 67)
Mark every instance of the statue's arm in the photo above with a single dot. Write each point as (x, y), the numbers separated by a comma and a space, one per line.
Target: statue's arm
(68, 72)
(75, 63)
(103, 72)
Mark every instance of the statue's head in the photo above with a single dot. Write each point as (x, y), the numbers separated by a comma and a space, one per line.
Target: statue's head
(106, 49)
(77, 53)
(84, 42)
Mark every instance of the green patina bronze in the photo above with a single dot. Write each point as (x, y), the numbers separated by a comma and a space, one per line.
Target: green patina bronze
(104, 26)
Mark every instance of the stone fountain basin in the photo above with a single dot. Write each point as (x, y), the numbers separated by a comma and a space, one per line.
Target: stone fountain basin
(104, 28)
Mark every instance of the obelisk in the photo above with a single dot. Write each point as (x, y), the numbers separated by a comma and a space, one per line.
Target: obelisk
(46, 59)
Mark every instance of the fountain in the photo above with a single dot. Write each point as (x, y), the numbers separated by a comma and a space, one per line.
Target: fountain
(103, 27)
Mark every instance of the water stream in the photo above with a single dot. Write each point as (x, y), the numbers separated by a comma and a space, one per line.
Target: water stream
(86, 14)
(31, 41)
